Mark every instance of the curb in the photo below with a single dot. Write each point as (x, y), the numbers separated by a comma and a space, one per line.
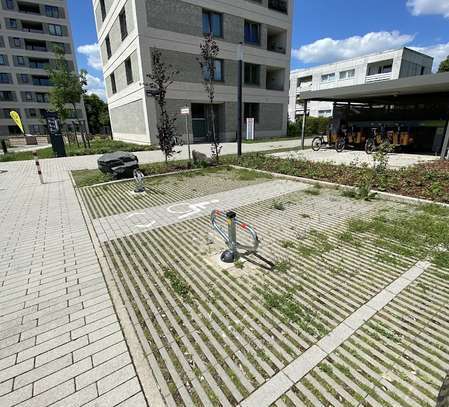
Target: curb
(144, 374)
(386, 196)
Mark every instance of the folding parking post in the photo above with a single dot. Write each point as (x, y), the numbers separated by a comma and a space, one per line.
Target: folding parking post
(445, 143)
(304, 118)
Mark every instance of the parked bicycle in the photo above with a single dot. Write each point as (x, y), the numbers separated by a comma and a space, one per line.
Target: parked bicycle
(371, 142)
(319, 141)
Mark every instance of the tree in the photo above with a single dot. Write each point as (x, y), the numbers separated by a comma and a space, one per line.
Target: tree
(161, 77)
(207, 58)
(68, 87)
(444, 66)
(97, 113)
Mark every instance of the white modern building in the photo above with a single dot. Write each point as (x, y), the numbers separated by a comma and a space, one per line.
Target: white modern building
(371, 68)
(29, 31)
(130, 30)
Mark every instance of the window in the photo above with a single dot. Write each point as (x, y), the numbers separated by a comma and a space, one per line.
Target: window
(108, 46)
(10, 4)
(113, 84)
(28, 96)
(324, 113)
(17, 42)
(252, 74)
(129, 71)
(12, 23)
(41, 81)
(387, 68)
(39, 63)
(251, 111)
(123, 26)
(42, 97)
(23, 78)
(52, 11)
(218, 68)
(423, 70)
(103, 9)
(55, 29)
(3, 60)
(32, 112)
(252, 32)
(4, 78)
(328, 77)
(6, 96)
(212, 23)
(20, 60)
(347, 74)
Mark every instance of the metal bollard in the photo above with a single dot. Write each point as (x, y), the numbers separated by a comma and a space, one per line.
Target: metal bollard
(36, 160)
(230, 256)
(139, 178)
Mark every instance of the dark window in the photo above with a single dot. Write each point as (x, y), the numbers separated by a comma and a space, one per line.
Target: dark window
(218, 71)
(123, 26)
(23, 78)
(52, 11)
(108, 46)
(42, 97)
(251, 111)
(252, 74)
(252, 32)
(103, 9)
(423, 70)
(4, 78)
(6, 96)
(10, 4)
(20, 60)
(28, 96)
(32, 112)
(35, 45)
(3, 60)
(113, 84)
(278, 5)
(41, 81)
(212, 23)
(12, 23)
(17, 42)
(39, 63)
(28, 8)
(129, 71)
(55, 29)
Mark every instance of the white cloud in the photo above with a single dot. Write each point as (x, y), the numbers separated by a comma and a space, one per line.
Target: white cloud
(330, 50)
(92, 52)
(429, 7)
(95, 85)
(439, 52)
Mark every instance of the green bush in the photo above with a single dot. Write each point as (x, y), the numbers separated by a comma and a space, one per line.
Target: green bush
(314, 126)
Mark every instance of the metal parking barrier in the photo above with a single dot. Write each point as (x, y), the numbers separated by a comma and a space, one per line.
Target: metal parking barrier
(139, 179)
(230, 236)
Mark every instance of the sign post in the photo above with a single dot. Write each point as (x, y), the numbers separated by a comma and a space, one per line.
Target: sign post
(250, 128)
(185, 111)
(54, 130)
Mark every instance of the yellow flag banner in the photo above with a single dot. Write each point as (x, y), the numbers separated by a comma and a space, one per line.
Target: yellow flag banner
(15, 116)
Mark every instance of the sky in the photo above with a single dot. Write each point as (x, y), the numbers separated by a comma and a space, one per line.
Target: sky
(323, 31)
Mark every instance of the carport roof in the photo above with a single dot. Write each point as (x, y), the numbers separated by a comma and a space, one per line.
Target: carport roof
(387, 91)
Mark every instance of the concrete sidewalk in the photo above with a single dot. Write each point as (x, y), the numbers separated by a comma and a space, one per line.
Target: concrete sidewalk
(61, 342)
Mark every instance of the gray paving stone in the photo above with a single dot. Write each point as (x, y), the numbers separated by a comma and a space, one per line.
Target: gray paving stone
(17, 396)
(61, 350)
(79, 398)
(269, 392)
(115, 379)
(15, 370)
(51, 396)
(297, 369)
(138, 400)
(117, 395)
(335, 338)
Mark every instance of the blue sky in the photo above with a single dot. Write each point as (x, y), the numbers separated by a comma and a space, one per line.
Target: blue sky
(323, 31)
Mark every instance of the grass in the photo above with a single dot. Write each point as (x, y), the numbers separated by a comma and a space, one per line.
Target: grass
(178, 284)
(97, 146)
(267, 140)
(278, 205)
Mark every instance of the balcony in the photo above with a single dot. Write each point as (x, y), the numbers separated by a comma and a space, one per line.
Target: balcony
(378, 78)
(276, 40)
(28, 8)
(32, 27)
(278, 5)
(275, 78)
(34, 45)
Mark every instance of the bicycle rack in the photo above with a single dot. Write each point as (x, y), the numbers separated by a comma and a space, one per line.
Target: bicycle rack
(139, 179)
(230, 237)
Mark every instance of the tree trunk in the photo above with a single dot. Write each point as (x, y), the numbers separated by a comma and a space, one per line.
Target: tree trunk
(79, 125)
(214, 134)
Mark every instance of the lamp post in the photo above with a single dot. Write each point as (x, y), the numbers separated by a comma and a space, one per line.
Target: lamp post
(185, 111)
(239, 99)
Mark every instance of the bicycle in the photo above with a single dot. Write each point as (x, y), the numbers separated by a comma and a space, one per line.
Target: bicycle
(370, 144)
(319, 142)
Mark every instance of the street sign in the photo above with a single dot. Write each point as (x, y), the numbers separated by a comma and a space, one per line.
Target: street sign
(250, 128)
(185, 110)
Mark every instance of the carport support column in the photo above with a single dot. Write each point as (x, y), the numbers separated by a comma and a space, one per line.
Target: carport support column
(445, 143)
(303, 130)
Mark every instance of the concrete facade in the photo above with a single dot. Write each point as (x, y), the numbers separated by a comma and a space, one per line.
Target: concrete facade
(382, 66)
(28, 31)
(175, 27)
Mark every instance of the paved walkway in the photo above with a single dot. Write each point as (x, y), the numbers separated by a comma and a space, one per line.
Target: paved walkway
(357, 157)
(61, 342)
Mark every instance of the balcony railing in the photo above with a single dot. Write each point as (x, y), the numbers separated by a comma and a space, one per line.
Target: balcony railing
(378, 78)
(278, 5)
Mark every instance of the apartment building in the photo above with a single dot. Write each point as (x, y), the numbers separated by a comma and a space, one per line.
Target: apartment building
(129, 30)
(29, 31)
(371, 68)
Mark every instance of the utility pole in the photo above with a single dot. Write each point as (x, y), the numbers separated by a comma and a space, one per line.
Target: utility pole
(240, 99)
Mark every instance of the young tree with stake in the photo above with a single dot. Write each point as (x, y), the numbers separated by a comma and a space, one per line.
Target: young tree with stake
(208, 54)
(161, 77)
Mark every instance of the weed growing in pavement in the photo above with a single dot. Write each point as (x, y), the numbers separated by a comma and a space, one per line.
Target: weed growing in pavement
(282, 266)
(287, 244)
(278, 205)
(249, 175)
(238, 264)
(178, 284)
(313, 191)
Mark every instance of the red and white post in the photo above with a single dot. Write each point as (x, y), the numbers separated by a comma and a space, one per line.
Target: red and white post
(38, 166)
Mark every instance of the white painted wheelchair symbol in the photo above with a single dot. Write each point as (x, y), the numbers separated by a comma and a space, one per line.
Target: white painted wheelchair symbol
(186, 210)
(145, 226)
